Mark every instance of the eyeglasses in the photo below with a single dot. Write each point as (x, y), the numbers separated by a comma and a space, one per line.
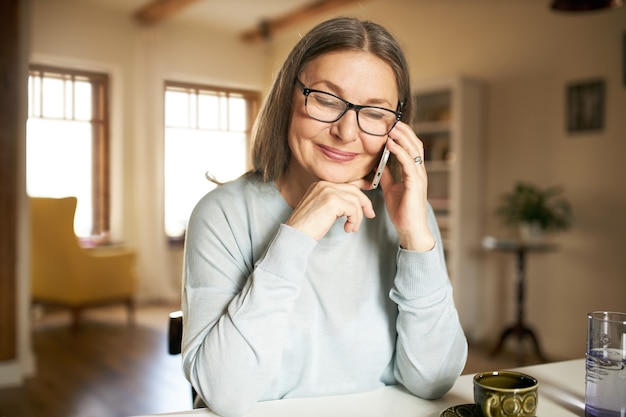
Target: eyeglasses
(328, 108)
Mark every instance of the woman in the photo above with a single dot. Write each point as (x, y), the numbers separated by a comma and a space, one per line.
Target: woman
(299, 279)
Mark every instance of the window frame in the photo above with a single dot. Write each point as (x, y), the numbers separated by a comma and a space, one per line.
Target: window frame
(100, 125)
(252, 98)
(253, 104)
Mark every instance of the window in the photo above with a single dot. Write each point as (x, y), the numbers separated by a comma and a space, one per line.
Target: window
(67, 143)
(207, 132)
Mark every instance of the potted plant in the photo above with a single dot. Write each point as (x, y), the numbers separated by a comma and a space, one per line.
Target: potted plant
(535, 211)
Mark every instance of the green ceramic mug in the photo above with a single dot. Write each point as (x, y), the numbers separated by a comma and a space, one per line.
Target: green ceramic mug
(505, 394)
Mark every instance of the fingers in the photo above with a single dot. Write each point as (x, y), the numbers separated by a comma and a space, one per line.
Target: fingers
(350, 203)
(404, 135)
(406, 200)
(324, 203)
(409, 151)
(358, 210)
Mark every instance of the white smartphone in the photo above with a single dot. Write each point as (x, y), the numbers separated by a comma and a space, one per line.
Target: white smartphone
(381, 167)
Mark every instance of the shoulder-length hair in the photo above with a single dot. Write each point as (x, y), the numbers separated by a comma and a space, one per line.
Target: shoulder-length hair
(270, 150)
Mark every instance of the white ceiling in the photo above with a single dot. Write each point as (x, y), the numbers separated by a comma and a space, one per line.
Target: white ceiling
(230, 15)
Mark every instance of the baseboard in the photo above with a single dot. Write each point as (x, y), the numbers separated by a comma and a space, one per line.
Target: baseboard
(11, 374)
(14, 373)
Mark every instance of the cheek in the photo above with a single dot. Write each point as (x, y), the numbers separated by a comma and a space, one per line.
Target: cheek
(374, 147)
(303, 128)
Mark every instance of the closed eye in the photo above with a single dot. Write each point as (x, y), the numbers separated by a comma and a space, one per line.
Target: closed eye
(375, 114)
(324, 100)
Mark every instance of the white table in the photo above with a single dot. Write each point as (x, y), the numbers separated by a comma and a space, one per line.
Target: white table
(561, 393)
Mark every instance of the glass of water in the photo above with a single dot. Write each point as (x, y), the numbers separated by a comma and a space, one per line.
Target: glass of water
(605, 386)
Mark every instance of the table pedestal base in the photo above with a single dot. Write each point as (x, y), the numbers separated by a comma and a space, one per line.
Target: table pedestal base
(520, 331)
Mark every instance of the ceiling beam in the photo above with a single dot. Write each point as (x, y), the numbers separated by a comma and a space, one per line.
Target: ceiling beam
(158, 10)
(315, 8)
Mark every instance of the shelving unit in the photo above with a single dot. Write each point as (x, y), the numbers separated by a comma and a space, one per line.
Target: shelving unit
(449, 119)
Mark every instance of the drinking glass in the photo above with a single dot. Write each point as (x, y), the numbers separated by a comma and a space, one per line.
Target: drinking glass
(605, 385)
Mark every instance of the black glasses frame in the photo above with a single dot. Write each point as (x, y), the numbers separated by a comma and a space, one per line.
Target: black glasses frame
(349, 106)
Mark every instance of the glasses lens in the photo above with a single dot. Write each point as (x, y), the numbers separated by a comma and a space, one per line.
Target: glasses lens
(325, 107)
(376, 121)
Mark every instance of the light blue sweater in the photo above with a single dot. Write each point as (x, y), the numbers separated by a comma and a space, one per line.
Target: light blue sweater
(271, 313)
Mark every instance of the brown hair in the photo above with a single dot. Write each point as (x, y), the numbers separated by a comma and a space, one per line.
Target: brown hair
(270, 152)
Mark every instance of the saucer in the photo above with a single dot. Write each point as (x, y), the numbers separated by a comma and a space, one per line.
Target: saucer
(463, 410)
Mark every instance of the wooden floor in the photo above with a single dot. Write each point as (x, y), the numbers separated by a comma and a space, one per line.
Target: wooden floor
(106, 368)
(109, 369)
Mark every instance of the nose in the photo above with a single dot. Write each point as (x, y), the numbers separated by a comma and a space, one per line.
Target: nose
(346, 128)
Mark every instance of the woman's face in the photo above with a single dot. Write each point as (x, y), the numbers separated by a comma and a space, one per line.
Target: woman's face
(340, 152)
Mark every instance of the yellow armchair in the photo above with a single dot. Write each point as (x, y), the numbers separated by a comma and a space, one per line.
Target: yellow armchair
(63, 274)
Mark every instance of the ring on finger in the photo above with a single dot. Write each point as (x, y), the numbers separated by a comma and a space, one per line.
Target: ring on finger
(418, 160)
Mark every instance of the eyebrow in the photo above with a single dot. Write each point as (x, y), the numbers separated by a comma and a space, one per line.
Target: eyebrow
(338, 91)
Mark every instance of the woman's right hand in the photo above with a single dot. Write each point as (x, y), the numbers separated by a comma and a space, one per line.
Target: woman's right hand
(325, 202)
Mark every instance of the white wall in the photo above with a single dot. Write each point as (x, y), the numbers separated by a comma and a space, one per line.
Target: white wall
(523, 51)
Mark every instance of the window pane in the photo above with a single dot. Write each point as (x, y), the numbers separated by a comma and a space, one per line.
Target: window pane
(209, 111)
(189, 154)
(237, 114)
(58, 164)
(82, 100)
(177, 109)
(53, 105)
(65, 154)
(34, 96)
(223, 113)
(68, 99)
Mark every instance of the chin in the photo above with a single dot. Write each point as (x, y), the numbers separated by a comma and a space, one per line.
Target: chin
(340, 179)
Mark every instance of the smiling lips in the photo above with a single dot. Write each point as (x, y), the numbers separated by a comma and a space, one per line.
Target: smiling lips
(337, 155)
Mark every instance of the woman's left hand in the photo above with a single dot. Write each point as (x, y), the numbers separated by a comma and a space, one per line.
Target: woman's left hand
(406, 200)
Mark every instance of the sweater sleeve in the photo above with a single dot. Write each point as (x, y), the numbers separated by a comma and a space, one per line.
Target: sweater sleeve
(431, 348)
(235, 319)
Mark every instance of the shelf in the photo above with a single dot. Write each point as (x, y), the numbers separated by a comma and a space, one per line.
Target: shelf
(437, 166)
(433, 106)
(439, 204)
(432, 127)
(443, 220)
(449, 122)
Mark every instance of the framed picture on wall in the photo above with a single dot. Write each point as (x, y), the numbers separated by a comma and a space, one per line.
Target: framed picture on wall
(624, 57)
(585, 105)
